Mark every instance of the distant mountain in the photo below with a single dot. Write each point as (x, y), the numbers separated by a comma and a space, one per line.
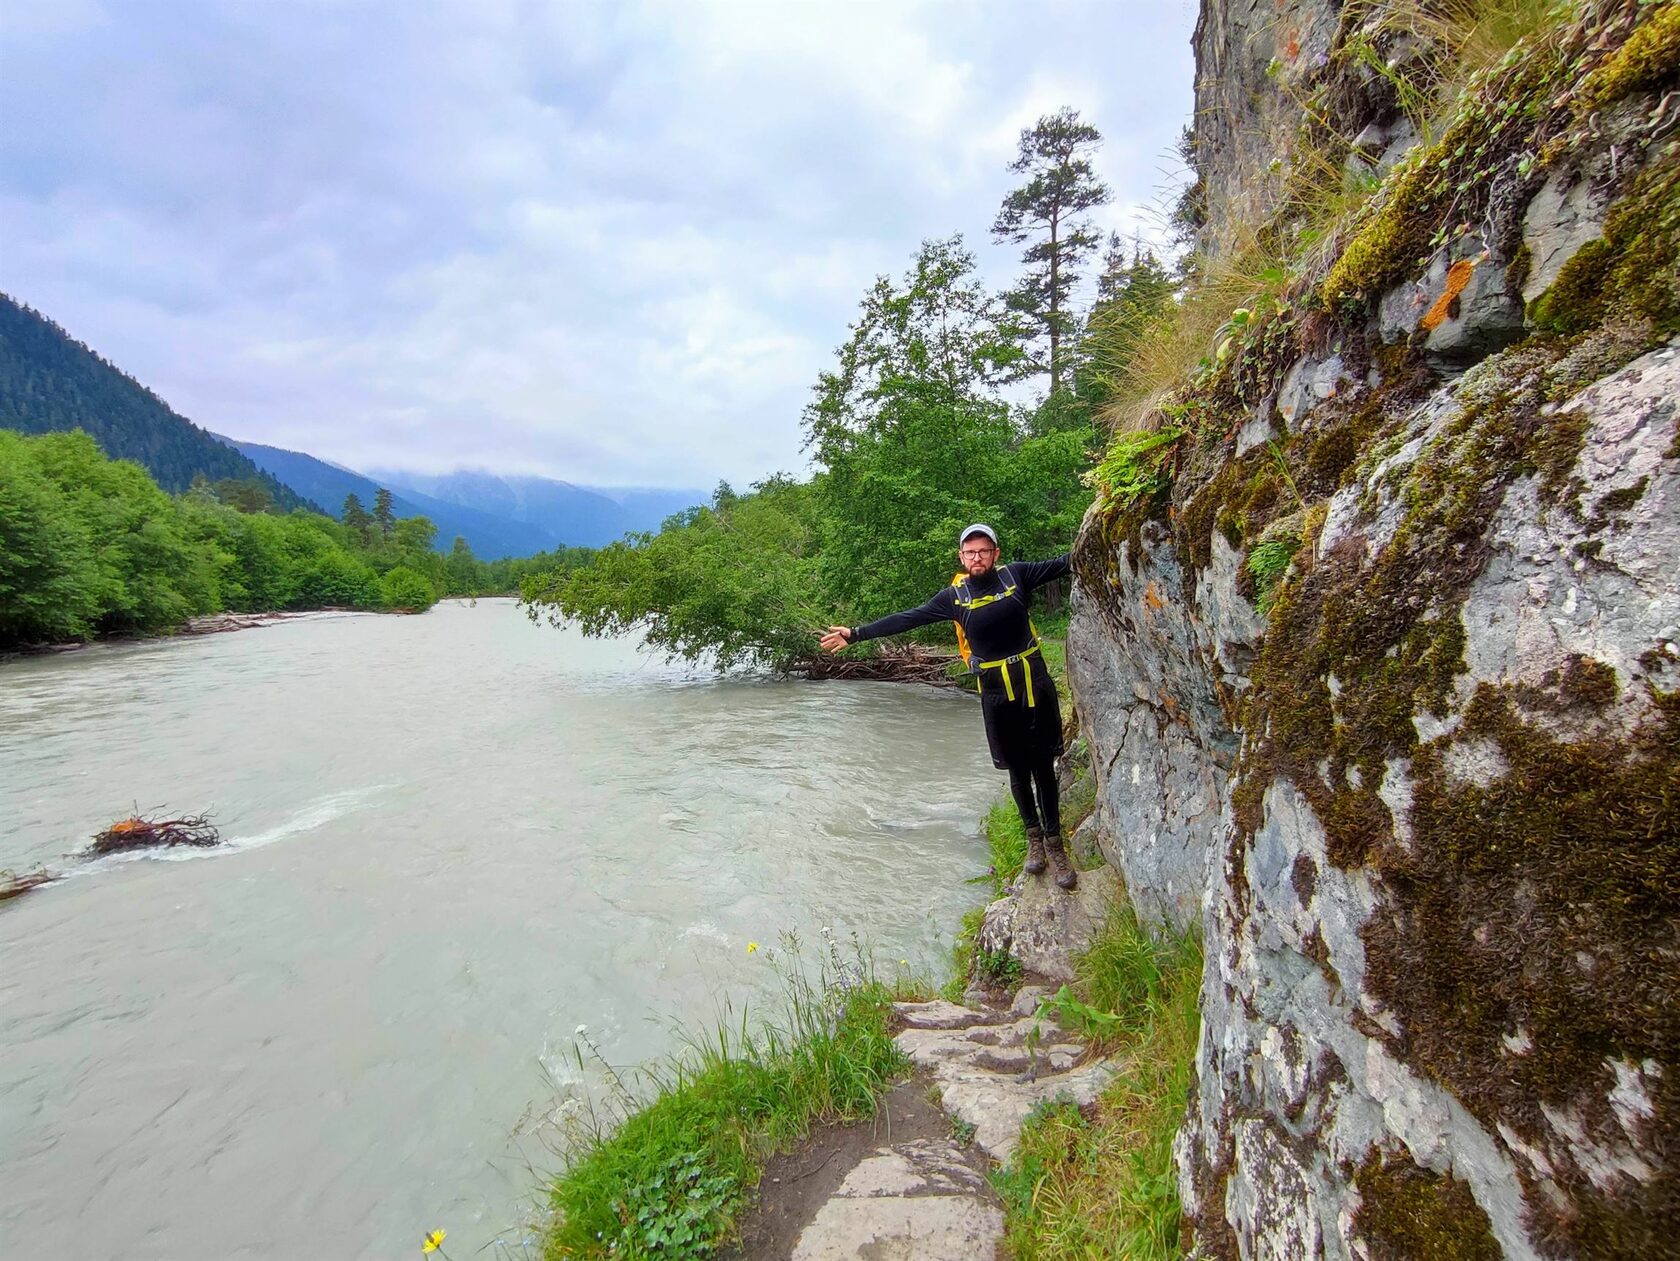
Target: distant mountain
(491, 537)
(652, 504)
(49, 381)
(580, 515)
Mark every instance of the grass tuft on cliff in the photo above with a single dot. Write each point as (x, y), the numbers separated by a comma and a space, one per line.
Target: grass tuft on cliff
(664, 1170)
(1105, 1186)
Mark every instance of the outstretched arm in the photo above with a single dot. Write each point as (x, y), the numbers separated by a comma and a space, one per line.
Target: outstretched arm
(1032, 574)
(938, 609)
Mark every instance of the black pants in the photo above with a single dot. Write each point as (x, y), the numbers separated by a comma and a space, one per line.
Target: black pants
(1046, 812)
(1026, 740)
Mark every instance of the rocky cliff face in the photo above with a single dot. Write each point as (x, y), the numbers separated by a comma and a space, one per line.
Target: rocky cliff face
(1382, 688)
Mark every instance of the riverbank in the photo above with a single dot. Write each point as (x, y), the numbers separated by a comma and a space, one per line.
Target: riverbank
(207, 624)
(745, 1140)
(719, 1158)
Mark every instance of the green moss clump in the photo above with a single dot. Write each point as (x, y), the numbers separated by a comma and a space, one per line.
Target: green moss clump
(1410, 1214)
(1387, 247)
(1335, 448)
(1552, 452)
(1634, 270)
(1648, 60)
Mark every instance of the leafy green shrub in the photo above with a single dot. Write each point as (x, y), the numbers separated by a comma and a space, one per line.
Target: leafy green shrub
(998, 968)
(403, 588)
(335, 579)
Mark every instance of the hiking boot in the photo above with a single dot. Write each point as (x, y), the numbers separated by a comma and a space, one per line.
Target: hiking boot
(1066, 876)
(1035, 852)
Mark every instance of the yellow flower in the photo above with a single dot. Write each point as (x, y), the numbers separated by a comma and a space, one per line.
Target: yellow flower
(904, 963)
(752, 947)
(433, 1241)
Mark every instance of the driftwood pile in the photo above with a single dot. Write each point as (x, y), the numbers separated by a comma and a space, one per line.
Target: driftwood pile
(139, 833)
(122, 836)
(12, 884)
(896, 663)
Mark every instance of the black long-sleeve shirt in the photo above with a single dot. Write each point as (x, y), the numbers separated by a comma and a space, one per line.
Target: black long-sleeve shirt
(996, 630)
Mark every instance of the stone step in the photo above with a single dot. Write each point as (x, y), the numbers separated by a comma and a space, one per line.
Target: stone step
(996, 1104)
(940, 1014)
(912, 1201)
(987, 1075)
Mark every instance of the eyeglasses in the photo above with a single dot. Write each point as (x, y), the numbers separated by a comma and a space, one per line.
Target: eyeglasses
(971, 553)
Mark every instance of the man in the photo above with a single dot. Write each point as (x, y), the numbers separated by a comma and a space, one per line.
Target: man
(1023, 718)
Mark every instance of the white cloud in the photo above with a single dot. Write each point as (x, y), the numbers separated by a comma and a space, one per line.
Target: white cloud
(612, 243)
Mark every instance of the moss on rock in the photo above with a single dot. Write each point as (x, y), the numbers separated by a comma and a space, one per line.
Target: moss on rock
(1410, 1214)
(1648, 61)
(1539, 912)
(1634, 270)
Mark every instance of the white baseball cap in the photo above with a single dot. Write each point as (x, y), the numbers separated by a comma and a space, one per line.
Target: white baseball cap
(977, 528)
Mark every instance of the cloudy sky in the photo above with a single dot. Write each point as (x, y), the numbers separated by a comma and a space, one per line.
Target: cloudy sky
(613, 243)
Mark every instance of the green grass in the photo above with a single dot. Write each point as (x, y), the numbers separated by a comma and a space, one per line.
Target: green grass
(1106, 1187)
(1267, 562)
(663, 1171)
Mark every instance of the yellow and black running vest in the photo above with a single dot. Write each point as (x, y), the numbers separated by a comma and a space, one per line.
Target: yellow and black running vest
(966, 603)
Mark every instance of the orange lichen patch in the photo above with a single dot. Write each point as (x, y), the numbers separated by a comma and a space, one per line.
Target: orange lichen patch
(1458, 276)
(1152, 597)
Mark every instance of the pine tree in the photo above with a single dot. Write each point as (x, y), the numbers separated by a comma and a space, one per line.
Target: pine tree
(1048, 211)
(355, 516)
(383, 512)
(1132, 294)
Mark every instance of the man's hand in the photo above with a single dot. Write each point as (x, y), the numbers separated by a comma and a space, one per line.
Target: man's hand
(837, 638)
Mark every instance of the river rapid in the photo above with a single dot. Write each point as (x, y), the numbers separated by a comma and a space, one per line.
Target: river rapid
(452, 839)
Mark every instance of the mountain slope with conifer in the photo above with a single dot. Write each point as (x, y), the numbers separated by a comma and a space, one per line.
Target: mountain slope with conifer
(51, 382)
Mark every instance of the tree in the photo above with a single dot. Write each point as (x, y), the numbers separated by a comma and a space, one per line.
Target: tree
(48, 582)
(1047, 211)
(150, 576)
(462, 568)
(247, 494)
(403, 589)
(735, 583)
(939, 336)
(383, 512)
(1132, 296)
(336, 579)
(913, 430)
(356, 517)
(414, 536)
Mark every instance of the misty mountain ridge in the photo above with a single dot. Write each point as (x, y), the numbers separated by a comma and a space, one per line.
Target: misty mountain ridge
(51, 382)
(490, 537)
(586, 516)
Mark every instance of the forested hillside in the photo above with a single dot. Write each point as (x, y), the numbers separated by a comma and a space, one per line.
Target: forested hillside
(91, 546)
(49, 382)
